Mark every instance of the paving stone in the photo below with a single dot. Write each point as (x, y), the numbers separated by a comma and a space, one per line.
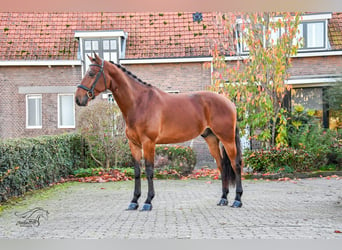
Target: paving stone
(307, 209)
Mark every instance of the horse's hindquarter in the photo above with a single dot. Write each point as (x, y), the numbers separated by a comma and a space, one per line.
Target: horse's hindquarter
(221, 116)
(218, 107)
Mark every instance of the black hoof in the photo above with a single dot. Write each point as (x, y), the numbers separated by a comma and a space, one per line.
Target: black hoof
(132, 206)
(236, 204)
(146, 207)
(223, 202)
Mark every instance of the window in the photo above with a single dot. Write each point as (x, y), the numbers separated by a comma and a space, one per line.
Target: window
(310, 99)
(33, 111)
(109, 45)
(105, 48)
(242, 34)
(313, 32)
(66, 111)
(242, 45)
(314, 35)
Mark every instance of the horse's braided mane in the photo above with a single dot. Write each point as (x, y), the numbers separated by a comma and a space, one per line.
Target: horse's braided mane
(130, 74)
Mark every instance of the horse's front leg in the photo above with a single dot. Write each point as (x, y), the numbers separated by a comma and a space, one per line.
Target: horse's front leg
(148, 149)
(136, 152)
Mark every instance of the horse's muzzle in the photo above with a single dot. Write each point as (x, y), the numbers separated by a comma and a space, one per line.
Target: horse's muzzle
(81, 101)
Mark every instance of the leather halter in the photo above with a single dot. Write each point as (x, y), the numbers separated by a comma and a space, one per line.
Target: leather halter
(90, 91)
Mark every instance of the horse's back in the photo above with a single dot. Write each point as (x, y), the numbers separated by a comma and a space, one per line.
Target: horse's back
(201, 104)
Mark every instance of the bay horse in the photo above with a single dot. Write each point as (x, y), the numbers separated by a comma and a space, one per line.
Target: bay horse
(156, 117)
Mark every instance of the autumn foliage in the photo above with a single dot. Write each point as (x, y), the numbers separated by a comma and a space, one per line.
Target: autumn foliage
(262, 45)
(101, 175)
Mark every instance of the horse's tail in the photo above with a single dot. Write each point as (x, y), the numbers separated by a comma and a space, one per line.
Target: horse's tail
(231, 175)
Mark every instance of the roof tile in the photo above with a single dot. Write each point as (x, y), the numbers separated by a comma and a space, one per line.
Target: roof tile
(150, 35)
(45, 36)
(335, 31)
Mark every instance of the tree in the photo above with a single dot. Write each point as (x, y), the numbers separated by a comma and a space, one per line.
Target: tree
(257, 81)
(102, 126)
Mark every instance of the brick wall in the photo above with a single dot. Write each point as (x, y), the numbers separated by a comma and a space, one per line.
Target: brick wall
(184, 77)
(13, 104)
(311, 66)
(302, 66)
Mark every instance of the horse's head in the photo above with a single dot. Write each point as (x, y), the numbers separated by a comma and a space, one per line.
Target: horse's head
(93, 83)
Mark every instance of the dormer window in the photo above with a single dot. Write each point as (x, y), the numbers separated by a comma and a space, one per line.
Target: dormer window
(109, 45)
(313, 31)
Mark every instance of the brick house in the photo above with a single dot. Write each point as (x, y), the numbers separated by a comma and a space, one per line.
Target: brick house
(43, 58)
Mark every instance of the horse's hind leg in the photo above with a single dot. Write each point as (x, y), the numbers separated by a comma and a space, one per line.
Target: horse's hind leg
(214, 149)
(137, 154)
(232, 159)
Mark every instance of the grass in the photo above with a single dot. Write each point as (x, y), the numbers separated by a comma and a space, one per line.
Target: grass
(23, 202)
(330, 167)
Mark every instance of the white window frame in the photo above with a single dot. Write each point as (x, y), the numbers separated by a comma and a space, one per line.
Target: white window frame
(242, 45)
(34, 96)
(58, 112)
(305, 35)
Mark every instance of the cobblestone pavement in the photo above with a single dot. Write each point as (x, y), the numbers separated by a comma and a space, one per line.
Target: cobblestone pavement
(309, 208)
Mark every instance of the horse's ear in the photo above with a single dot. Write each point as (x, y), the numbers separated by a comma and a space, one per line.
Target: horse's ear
(90, 58)
(96, 56)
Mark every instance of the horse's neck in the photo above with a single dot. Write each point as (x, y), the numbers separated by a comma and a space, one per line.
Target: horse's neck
(126, 92)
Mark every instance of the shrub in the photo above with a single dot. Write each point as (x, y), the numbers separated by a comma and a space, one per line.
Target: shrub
(277, 160)
(33, 163)
(335, 149)
(306, 133)
(178, 158)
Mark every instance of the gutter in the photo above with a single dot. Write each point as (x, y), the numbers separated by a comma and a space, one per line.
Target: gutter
(73, 63)
(166, 60)
(48, 63)
(228, 58)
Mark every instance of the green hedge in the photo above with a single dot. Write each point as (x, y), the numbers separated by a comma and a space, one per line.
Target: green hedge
(33, 163)
(179, 158)
(282, 160)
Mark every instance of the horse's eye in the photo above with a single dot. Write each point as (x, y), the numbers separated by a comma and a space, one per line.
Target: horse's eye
(91, 74)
